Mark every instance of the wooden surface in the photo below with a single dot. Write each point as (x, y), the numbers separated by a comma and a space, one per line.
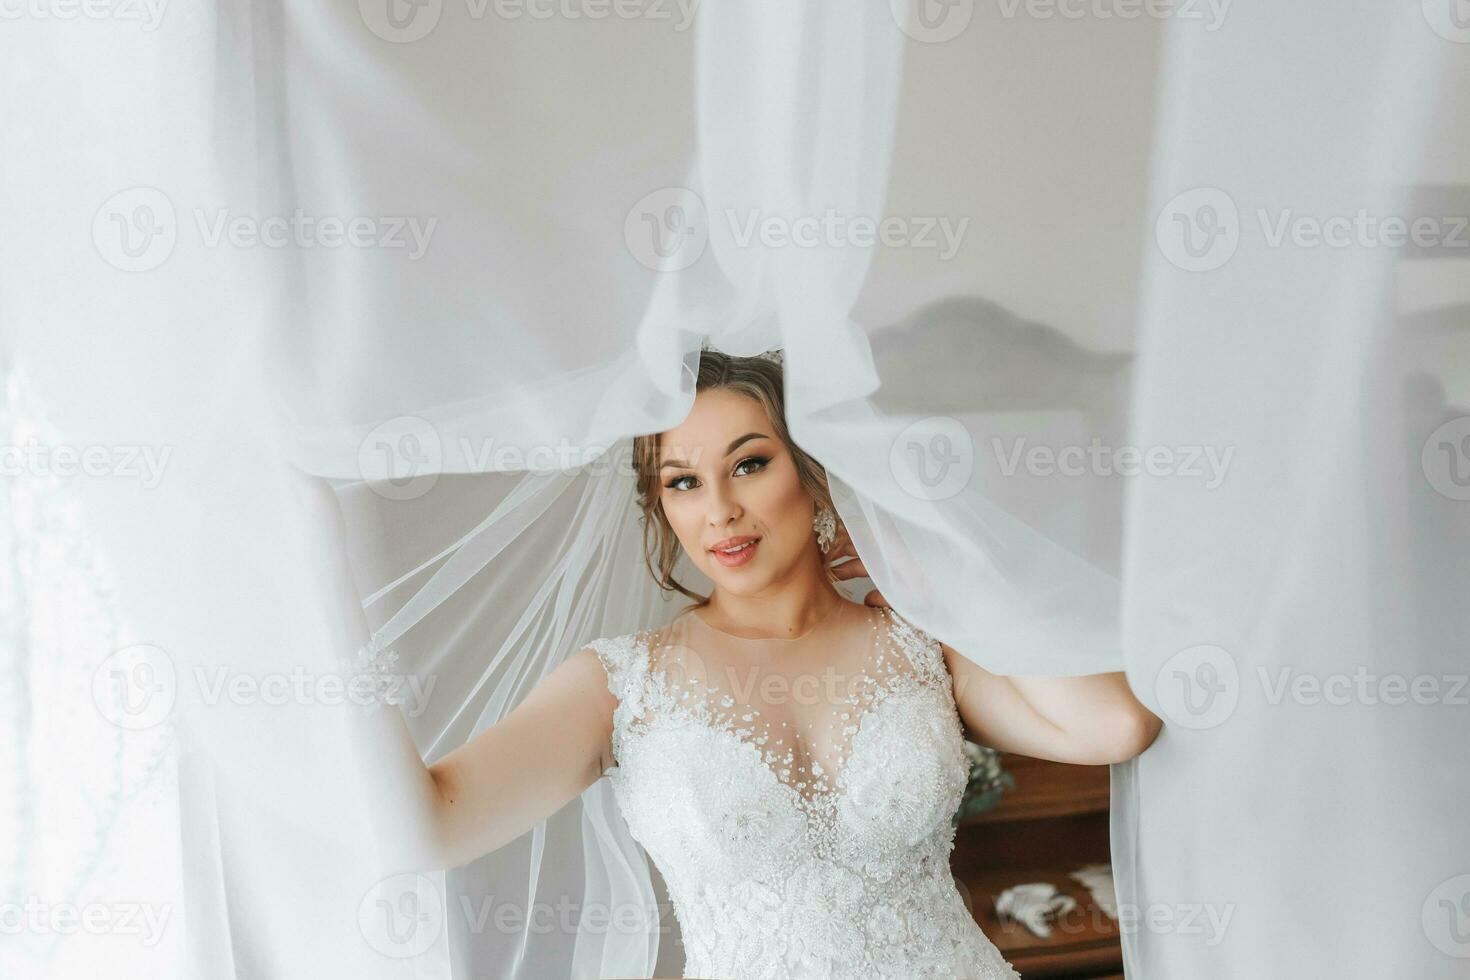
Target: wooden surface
(1083, 942)
(1048, 789)
(1054, 822)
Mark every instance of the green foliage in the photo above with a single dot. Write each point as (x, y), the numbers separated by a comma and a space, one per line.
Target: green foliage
(988, 781)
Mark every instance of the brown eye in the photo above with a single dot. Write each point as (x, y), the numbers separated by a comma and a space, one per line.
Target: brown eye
(759, 463)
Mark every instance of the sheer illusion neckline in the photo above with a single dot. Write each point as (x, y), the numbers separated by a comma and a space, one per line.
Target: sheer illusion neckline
(829, 782)
(831, 615)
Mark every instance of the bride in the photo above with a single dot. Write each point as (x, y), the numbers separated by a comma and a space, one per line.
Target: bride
(789, 759)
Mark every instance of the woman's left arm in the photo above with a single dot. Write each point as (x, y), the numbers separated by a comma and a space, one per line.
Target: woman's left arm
(1092, 719)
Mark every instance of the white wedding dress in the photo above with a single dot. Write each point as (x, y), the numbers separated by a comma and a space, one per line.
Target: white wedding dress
(796, 795)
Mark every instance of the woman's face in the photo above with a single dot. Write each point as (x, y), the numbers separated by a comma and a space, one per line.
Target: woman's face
(725, 479)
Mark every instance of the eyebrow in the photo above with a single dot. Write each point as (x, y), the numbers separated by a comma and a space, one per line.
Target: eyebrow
(728, 449)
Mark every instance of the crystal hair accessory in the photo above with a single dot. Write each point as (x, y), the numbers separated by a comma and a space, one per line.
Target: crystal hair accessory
(776, 355)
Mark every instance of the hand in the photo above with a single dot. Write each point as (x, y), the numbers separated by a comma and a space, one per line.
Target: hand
(842, 547)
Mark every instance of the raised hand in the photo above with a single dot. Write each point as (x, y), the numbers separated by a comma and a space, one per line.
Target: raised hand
(842, 547)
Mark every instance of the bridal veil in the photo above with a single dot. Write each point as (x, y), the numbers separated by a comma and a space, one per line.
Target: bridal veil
(453, 257)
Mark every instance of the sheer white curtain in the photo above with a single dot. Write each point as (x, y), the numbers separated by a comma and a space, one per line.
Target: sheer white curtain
(453, 255)
(1293, 625)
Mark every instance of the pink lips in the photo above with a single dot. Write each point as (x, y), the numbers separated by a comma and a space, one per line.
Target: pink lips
(737, 558)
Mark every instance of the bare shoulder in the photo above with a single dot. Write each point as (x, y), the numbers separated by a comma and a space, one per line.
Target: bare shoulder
(874, 614)
(587, 661)
(598, 660)
(611, 664)
(968, 677)
(959, 663)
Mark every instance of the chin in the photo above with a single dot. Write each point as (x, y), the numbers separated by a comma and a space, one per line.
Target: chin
(738, 584)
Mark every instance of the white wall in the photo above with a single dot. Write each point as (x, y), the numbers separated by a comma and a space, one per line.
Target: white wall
(1038, 130)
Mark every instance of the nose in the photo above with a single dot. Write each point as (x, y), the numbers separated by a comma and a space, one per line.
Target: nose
(723, 508)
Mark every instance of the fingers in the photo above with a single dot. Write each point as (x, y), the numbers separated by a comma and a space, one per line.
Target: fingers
(842, 547)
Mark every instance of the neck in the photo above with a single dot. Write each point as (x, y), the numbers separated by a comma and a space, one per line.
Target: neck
(789, 606)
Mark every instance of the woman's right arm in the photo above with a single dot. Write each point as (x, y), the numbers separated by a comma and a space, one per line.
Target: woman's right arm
(495, 787)
(531, 763)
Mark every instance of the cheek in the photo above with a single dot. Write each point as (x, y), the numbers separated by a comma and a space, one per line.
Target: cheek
(682, 519)
(785, 506)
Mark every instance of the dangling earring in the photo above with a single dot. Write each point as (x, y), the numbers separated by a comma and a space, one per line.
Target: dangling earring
(824, 522)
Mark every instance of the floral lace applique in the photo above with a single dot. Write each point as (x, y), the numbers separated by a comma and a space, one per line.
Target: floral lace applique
(791, 855)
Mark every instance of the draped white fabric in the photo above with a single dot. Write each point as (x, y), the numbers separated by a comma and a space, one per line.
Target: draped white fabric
(453, 256)
(1295, 625)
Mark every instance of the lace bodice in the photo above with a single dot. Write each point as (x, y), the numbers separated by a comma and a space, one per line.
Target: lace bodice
(796, 795)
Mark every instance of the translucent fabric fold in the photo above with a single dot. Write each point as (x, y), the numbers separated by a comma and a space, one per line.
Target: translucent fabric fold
(454, 257)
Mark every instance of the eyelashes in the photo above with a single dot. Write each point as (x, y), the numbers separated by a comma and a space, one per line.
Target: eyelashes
(759, 461)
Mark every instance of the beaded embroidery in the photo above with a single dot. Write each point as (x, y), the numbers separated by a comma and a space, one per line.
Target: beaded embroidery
(822, 852)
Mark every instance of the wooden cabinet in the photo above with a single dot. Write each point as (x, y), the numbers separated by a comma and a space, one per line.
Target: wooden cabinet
(1053, 822)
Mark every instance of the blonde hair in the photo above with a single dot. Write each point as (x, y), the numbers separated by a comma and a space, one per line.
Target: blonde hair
(757, 378)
